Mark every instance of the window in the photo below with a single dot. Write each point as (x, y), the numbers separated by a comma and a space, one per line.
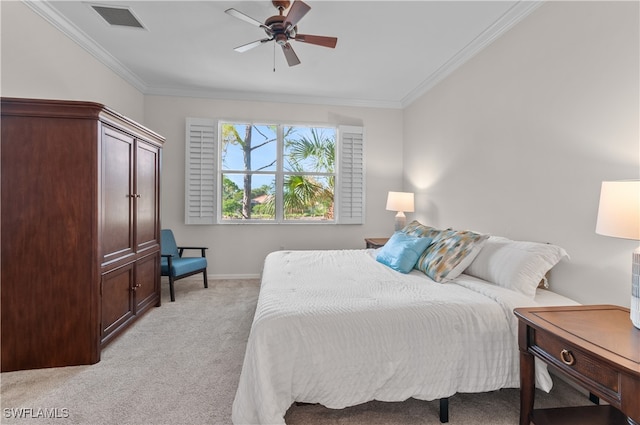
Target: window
(273, 173)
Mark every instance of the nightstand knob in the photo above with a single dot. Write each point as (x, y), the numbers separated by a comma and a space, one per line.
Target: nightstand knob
(567, 357)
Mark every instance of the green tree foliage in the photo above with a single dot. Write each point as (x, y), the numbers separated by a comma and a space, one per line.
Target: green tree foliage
(306, 195)
(231, 199)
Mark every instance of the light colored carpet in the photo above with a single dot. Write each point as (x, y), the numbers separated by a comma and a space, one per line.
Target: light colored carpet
(181, 362)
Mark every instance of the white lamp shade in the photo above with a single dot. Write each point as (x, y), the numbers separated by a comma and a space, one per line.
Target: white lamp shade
(400, 201)
(619, 209)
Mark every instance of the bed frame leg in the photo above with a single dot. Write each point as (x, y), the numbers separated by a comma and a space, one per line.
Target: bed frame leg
(444, 410)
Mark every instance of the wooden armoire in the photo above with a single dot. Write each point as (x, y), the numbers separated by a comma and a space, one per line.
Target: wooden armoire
(80, 233)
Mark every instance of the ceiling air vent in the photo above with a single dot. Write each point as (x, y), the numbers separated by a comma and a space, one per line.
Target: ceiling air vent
(120, 16)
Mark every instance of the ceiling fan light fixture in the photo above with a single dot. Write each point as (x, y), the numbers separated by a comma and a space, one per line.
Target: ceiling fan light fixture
(281, 39)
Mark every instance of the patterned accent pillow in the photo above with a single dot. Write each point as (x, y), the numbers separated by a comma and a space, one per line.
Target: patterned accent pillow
(450, 253)
(418, 230)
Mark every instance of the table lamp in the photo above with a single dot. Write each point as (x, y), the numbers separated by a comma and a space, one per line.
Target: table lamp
(401, 202)
(619, 216)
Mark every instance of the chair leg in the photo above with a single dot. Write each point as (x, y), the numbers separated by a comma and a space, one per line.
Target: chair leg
(444, 410)
(171, 290)
(204, 273)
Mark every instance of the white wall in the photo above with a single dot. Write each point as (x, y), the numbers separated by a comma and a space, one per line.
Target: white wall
(240, 249)
(38, 61)
(517, 141)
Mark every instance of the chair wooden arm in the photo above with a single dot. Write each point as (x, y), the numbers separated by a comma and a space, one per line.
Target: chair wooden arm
(182, 248)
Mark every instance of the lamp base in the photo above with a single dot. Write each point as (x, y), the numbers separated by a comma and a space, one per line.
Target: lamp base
(635, 289)
(400, 222)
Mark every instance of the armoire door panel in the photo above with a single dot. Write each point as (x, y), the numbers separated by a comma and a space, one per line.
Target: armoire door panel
(117, 195)
(117, 302)
(147, 281)
(147, 205)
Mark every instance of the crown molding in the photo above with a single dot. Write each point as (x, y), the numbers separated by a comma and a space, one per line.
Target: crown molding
(511, 17)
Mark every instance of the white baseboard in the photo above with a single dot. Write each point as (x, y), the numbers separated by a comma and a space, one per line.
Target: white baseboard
(233, 276)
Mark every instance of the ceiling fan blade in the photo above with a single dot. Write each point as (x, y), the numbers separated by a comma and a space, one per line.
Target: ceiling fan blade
(318, 40)
(292, 58)
(237, 14)
(251, 45)
(296, 12)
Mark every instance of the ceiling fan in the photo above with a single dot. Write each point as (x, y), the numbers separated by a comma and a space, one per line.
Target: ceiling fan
(283, 28)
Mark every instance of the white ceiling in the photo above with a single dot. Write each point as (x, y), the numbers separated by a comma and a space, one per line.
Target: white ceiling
(388, 52)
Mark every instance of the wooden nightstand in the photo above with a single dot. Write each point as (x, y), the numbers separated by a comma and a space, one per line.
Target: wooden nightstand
(375, 242)
(597, 346)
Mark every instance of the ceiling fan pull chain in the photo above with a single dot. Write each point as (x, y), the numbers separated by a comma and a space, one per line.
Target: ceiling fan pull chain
(274, 57)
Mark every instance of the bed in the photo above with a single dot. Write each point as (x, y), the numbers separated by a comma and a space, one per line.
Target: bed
(340, 328)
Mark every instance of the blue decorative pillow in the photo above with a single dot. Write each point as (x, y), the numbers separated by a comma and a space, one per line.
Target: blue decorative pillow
(402, 251)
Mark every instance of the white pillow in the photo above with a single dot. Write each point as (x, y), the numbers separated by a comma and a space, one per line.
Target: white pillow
(516, 265)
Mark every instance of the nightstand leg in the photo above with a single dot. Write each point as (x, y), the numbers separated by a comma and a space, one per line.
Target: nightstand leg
(527, 386)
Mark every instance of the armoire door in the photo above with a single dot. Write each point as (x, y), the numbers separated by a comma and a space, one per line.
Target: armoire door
(117, 194)
(147, 282)
(147, 196)
(117, 288)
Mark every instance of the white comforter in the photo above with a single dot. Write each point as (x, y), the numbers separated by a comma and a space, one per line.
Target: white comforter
(339, 329)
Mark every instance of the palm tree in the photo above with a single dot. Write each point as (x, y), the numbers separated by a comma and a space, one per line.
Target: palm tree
(303, 193)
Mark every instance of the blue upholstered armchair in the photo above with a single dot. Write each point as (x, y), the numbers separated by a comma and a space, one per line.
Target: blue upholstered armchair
(175, 266)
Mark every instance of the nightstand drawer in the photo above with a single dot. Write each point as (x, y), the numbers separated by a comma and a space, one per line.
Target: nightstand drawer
(375, 242)
(574, 361)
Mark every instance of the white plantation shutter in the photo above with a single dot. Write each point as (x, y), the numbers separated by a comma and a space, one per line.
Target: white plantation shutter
(351, 176)
(200, 171)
